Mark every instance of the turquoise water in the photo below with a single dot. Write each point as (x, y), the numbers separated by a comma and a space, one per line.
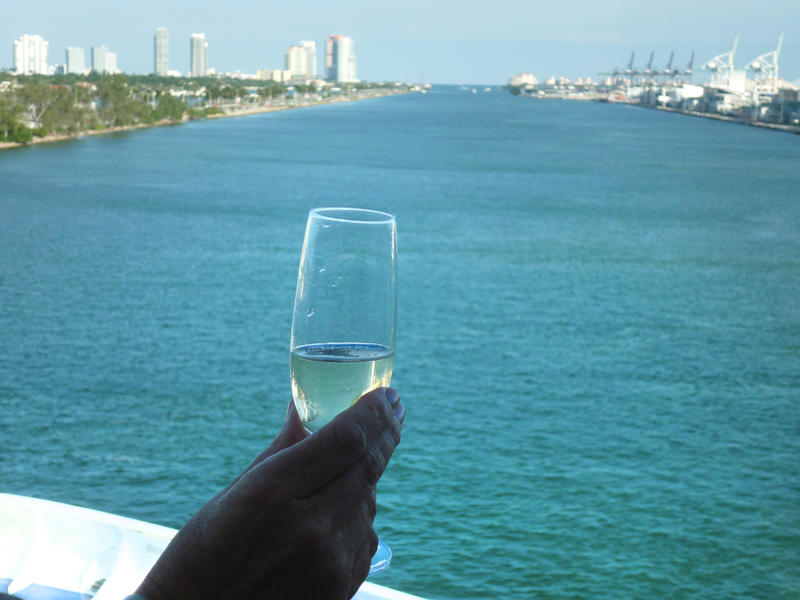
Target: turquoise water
(598, 346)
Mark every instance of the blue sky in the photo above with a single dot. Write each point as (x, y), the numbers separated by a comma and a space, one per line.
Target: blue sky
(469, 41)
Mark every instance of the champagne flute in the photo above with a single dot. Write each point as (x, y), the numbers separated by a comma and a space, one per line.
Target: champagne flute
(345, 315)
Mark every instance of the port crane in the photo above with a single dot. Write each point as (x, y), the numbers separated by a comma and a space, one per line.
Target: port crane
(766, 68)
(670, 74)
(648, 70)
(630, 70)
(721, 66)
(689, 67)
(668, 70)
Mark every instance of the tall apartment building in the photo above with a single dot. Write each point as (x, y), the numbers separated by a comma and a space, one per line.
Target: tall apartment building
(111, 62)
(311, 58)
(340, 59)
(296, 60)
(103, 60)
(301, 60)
(30, 55)
(199, 54)
(76, 60)
(161, 51)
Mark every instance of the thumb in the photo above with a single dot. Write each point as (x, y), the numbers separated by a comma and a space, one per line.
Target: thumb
(337, 446)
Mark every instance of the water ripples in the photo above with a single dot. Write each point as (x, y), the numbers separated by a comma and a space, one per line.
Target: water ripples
(597, 343)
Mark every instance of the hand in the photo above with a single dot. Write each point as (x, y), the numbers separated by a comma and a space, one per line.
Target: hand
(297, 523)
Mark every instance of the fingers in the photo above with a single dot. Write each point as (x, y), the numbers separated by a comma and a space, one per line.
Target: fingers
(311, 464)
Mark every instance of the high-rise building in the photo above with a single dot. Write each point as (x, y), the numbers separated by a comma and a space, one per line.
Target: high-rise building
(301, 60)
(340, 59)
(329, 71)
(99, 59)
(111, 62)
(30, 55)
(199, 54)
(296, 60)
(76, 62)
(103, 60)
(311, 58)
(161, 51)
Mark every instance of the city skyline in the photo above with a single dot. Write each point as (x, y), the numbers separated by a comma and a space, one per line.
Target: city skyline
(31, 57)
(421, 42)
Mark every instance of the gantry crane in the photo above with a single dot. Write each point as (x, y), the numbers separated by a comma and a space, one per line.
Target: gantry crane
(766, 68)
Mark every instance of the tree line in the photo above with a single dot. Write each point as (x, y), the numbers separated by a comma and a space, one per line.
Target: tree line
(38, 105)
(69, 104)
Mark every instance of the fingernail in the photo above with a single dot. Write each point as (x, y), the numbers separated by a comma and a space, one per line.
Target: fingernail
(393, 397)
(400, 413)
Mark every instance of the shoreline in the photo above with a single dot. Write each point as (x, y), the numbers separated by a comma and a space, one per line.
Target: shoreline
(693, 113)
(795, 129)
(232, 111)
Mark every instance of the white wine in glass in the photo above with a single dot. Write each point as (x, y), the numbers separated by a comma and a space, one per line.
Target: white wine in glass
(328, 378)
(345, 315)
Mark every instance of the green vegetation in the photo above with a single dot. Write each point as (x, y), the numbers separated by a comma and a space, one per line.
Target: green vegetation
(11, 129)
(65, 105)
(202, 113)
(68, 104)
(37, 105)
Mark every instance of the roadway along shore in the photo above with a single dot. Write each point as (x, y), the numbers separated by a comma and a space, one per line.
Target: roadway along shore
(231, 110)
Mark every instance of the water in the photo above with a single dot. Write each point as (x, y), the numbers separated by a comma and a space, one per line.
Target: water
(598, 348)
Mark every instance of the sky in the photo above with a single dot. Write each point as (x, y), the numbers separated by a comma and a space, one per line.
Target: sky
(437, 41)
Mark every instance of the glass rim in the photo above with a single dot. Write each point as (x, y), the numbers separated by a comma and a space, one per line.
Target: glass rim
(346, 214)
